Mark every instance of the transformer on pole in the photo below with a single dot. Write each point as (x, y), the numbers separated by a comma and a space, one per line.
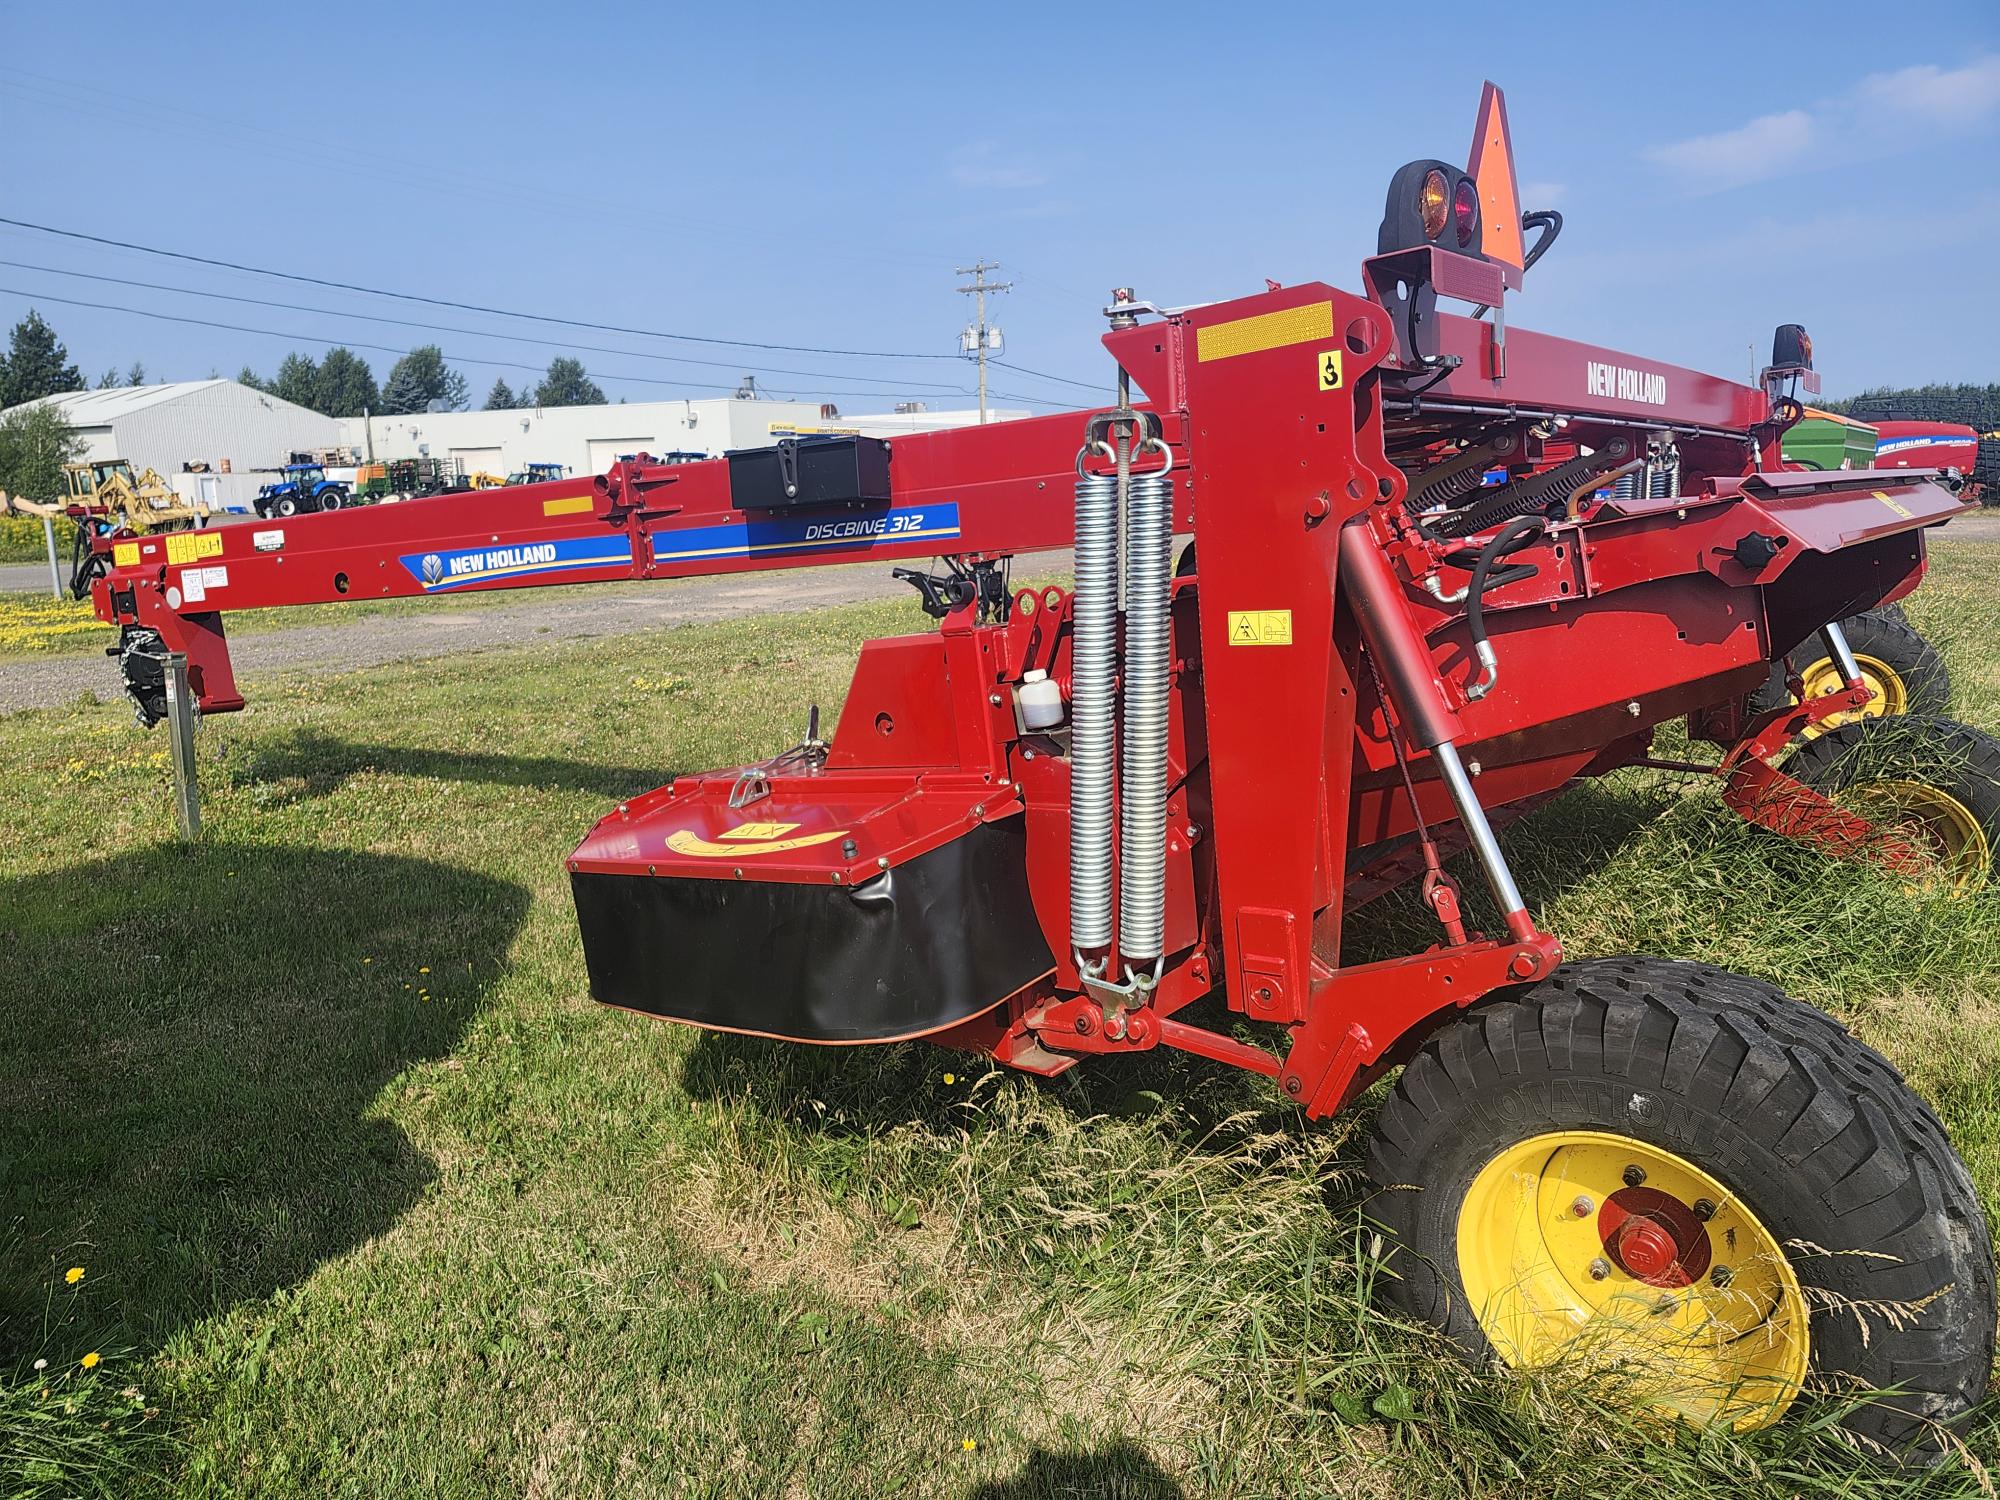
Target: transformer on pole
(978, 340)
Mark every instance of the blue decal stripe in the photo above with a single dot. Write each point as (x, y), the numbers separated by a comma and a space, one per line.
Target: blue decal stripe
(916, 523)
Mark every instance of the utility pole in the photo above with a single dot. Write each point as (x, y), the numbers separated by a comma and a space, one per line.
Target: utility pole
(978, 339)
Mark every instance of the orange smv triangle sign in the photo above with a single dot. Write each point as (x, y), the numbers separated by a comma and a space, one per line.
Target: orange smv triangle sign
(1492, 168)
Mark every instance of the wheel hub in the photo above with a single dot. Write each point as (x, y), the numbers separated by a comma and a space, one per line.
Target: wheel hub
(1891, 694)
(1602, 1250)
(1654, 1237)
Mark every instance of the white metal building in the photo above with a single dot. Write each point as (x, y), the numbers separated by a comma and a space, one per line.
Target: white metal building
(589, 439)
(213, 422)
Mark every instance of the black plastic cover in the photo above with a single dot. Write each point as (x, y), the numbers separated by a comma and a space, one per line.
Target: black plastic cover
(946, 936)
(810, 471)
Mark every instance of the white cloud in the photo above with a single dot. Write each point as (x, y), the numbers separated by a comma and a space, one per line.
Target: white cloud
(982, 166)
(1951, 97)
(1879, 116)
(1763, 148)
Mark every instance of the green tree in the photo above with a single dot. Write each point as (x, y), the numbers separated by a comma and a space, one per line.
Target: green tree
(501, 397)
(108, 379)
(136, 375)
(34, 445)
(346, 385)
(36, 363)
(421, 377)
(298, 380)
(566, 384)
(256, 382)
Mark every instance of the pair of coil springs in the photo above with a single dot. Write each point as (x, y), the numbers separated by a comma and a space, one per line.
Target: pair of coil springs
(1148, 664)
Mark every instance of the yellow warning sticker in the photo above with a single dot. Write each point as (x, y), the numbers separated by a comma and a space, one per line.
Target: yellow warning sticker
(1896, 505)
(569, 505)
(747, 838)
(1260, 627)
(125, 555)
(1272, 330)
(192, 546)
(1329, 370)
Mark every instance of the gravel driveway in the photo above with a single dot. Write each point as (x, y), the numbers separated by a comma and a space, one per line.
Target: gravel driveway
(615, 609)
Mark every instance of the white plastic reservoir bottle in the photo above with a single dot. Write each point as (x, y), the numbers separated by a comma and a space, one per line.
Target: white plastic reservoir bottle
(1041, 700)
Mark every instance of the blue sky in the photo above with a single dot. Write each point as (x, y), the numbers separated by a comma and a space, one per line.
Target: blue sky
(811, 175)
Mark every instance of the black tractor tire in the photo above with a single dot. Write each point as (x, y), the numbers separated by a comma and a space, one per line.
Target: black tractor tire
(1868, 759)
(1886, 644)
(1812, 1131)
(285, 506)
(330, 500)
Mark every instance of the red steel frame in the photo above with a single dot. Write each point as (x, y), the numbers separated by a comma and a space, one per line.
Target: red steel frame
(1288, 793)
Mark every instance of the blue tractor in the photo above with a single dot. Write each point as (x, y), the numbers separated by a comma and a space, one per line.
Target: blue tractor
(303, 488)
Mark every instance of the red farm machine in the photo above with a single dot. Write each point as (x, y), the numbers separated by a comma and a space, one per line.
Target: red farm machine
(1439, 569)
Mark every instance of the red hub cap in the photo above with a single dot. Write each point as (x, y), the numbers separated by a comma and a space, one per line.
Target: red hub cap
(1654, 1237)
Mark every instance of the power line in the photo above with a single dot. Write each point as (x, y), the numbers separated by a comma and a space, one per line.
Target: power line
(500, 312)
(504, 364)
(998, 364)
(517, 338)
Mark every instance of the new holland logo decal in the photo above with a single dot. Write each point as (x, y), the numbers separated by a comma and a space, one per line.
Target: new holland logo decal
(444, 570)
(748, 838)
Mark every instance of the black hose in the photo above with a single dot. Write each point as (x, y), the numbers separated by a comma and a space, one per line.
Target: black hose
(1515, 535)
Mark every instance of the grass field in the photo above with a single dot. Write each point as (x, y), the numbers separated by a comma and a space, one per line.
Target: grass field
(369, 1199)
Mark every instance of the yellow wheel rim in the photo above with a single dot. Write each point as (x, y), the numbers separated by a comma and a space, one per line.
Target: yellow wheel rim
(1942, 826)
(1598, 1250)
(1892, 695)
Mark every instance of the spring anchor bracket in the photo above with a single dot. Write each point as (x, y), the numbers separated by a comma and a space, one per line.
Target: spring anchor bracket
(1116, 997)
(1145, 425)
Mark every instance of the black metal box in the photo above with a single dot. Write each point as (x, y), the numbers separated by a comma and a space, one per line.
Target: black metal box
(810, 471)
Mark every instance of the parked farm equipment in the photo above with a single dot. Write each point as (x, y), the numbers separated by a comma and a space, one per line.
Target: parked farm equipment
(1046, 828)
(301, 489)
(106, 498)
(410, 479)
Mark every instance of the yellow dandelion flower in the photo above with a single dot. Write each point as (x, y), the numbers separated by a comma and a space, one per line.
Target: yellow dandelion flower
(951, 1078)
(89, 1361)
(966, 1445)
(368, 960)
(73, 1275)
(425, 969)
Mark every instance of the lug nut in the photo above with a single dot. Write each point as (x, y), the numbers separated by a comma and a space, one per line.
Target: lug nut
(1634, 1176)
(1704, 1209)
(1582, 1207)
(1599, 1269)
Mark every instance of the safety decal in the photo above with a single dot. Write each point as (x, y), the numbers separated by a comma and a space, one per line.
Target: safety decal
(1329, 369)
(1896, 505)
(780, 534)
(192, 546)
(455, 568)
(1271, 330)
(125, 554)
(1260, 627)
(569, 505)
(748, 838)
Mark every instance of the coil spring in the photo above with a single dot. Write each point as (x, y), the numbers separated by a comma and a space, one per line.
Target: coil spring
(1663, 475)
(1093, 668)
(1450, 487)
(1142, 837)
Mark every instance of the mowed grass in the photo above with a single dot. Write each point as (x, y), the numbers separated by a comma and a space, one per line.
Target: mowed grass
(370, 1199)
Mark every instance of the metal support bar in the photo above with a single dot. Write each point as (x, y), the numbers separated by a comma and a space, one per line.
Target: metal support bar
(180, 730)
(55, 568)
(1492, 863)
(1842, 653)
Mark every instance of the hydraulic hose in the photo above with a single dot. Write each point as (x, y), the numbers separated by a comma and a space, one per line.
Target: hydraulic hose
(1509, 538)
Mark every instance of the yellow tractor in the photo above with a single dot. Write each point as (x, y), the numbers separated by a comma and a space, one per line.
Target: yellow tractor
(107, 490)
(105, 496)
